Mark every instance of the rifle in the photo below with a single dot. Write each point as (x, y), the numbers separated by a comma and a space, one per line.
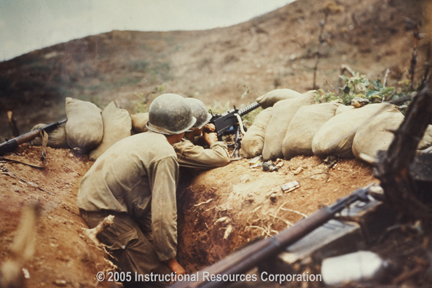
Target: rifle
(245, 259)
(13, 143)
(231, 123)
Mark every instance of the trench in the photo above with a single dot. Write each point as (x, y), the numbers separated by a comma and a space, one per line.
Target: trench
(222, 209)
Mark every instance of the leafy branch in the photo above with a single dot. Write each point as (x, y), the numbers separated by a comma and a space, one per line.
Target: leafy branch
(359, 86)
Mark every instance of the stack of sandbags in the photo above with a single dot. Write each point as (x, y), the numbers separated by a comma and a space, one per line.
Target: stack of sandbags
(253, 140)
(282, 114)
(117, 124)
(139, 122)
(336, 136)
(56, 137)
(303, 127)
(269, 99)
(84, 128)
(376, 134)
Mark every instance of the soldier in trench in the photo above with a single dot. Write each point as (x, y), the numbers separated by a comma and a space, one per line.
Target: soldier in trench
(195, 156)
(135, 180)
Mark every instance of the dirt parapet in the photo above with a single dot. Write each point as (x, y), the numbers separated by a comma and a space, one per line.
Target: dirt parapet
(250, 203)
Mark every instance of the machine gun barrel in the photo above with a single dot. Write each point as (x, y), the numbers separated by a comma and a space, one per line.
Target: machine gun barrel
(249, 257)
(229, 119)
(231, 123)
(248, 109)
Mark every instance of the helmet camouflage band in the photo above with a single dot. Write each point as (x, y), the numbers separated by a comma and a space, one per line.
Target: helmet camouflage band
(170, 114)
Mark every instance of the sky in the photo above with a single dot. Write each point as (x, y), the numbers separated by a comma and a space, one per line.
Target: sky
(27, 25)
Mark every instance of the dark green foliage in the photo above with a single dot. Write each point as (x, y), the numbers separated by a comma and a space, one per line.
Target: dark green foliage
(373, 90)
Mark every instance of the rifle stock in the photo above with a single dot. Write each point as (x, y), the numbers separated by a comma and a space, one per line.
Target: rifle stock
(13, 143)
(245, 259)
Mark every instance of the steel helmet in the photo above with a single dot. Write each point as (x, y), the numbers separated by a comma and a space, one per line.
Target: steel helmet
(170, 114)
(199, 111)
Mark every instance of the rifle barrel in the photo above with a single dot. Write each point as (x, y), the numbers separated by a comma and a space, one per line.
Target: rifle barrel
(13, 143)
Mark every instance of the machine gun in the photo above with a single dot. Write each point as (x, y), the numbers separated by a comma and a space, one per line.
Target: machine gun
(231, 123)
(13, 143)
(245, 259)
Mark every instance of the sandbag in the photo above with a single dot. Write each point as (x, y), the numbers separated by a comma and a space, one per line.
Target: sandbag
(117, 124)
(342, 108)
(253, 140)
(269, 99)
(336, 136)
(303, 127)
(139, 122)
(282, 114)
(375, 135)
(56, 137)
(84, 128)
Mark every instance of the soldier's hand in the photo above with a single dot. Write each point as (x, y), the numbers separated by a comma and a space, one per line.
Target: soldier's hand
(210, 138)
(176, 267)
(210, 127)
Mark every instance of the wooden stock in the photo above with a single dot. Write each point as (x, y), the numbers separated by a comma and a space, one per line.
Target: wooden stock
(13, 143)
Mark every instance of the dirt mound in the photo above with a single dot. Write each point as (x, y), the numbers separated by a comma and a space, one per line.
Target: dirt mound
(219, 211)
(249, 200)
(252, 203)
(62, 252)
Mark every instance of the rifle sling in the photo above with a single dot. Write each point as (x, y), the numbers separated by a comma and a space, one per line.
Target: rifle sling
(44, 136)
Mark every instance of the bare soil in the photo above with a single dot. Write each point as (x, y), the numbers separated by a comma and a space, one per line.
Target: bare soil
(250, 200)
(276, 50)
(235, 191)
(62, 252)
(253, 201)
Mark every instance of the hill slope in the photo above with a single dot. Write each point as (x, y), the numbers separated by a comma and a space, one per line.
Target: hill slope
(218, 65)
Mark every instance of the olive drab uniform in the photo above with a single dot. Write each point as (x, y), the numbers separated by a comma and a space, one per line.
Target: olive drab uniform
(195, 156)
(135, 180)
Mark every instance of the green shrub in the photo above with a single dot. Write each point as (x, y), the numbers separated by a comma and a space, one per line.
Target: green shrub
(373, 90)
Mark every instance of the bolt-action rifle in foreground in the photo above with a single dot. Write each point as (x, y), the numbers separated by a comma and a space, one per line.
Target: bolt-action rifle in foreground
(13, 143)
(249, 257)
(231, 123)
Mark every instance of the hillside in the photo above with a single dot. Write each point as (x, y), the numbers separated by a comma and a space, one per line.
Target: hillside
(221, 209)
(274, 50)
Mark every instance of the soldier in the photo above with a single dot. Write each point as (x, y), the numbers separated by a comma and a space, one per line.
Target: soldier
(195, 156)
(135, 180)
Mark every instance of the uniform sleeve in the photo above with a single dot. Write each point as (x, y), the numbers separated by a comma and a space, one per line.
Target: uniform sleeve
(163, 176)
(194, 156)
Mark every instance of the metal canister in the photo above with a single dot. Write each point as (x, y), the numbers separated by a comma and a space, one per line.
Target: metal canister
(361, 266)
